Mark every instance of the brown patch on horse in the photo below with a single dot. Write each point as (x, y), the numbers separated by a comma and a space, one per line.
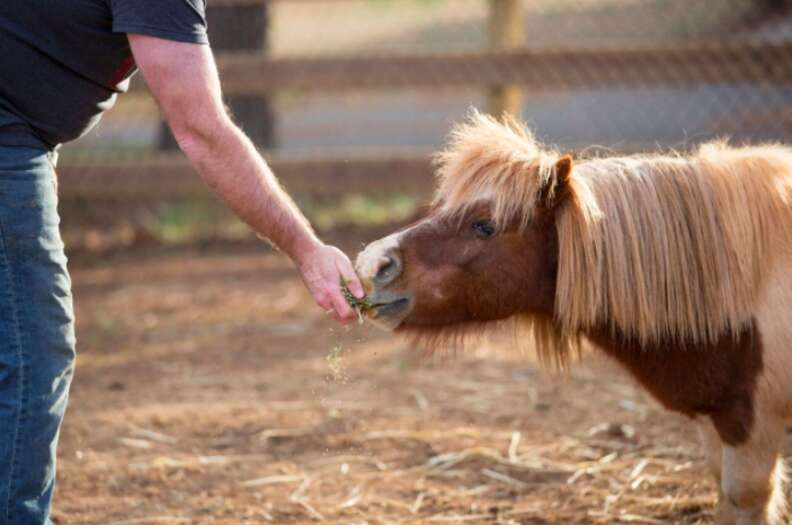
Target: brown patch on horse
(469, 280)
(715, 379)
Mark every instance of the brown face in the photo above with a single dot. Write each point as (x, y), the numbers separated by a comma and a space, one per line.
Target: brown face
(444, 272)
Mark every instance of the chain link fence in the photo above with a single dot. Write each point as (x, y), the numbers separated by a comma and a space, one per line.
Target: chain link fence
(583, 100)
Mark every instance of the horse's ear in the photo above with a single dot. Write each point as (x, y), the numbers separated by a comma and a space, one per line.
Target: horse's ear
(564, 169)
(563, 180)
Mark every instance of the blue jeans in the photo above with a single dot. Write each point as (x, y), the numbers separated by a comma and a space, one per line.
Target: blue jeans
(36, 335)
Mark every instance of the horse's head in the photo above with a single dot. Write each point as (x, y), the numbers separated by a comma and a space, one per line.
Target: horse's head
(487, 250)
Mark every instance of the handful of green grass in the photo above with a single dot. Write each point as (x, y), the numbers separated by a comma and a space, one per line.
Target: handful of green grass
(361, 306)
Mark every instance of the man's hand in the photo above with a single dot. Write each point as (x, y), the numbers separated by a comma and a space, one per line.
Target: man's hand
(322, 268)
(183, 78)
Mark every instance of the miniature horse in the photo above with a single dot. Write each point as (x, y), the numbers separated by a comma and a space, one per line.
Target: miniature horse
(678, 267)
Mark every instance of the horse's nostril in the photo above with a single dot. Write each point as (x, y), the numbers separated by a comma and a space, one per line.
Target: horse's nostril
(385, 266)
(389, 268)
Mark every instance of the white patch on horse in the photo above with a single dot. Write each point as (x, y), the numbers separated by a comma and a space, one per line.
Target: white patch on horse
(373, 257)
(752, 474)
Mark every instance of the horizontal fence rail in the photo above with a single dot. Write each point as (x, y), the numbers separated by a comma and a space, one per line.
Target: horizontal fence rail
(171, 176)
(254, 73)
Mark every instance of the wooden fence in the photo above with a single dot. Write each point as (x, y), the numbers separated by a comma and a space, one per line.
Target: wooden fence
(649, 67)
(169, 175)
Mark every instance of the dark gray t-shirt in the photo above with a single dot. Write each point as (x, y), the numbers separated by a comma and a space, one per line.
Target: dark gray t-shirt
(62, 62)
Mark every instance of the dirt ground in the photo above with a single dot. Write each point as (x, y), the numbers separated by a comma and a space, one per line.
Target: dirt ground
(211, 391)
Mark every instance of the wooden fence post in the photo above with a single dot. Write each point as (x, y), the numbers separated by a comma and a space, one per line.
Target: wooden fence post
(506, 31)
(240, 27)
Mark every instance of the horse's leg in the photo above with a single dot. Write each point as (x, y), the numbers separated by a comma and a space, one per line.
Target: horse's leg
(758, 461)
(752, 474)
(713, 451)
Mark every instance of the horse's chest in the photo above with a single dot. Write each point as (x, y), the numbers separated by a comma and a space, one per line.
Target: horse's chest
(716, 380)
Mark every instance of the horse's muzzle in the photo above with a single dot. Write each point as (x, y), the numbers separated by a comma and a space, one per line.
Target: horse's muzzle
(378, 266)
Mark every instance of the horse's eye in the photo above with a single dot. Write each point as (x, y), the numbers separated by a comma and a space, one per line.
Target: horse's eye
(483, 229)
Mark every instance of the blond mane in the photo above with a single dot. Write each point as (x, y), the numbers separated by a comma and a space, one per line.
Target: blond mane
(651, 246)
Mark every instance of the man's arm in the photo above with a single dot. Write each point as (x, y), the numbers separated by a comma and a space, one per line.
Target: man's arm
(183, 78)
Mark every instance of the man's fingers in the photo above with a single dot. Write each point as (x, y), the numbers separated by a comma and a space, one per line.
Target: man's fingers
(351, 279)
(341, 306)
(354, 285)
(333, 302)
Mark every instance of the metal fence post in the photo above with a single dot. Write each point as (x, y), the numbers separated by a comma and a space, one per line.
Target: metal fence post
(240, 27)
(505, 31)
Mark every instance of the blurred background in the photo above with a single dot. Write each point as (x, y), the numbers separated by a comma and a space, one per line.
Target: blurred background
(210, 390)
(348, 98)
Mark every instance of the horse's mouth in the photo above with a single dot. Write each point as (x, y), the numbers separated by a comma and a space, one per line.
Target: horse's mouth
(391, 309)
(390, 313)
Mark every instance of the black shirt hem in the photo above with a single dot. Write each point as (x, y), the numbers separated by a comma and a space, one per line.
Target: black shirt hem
(188, 38)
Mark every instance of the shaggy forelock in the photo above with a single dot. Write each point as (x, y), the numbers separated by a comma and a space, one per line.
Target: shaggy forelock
(499, 162)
